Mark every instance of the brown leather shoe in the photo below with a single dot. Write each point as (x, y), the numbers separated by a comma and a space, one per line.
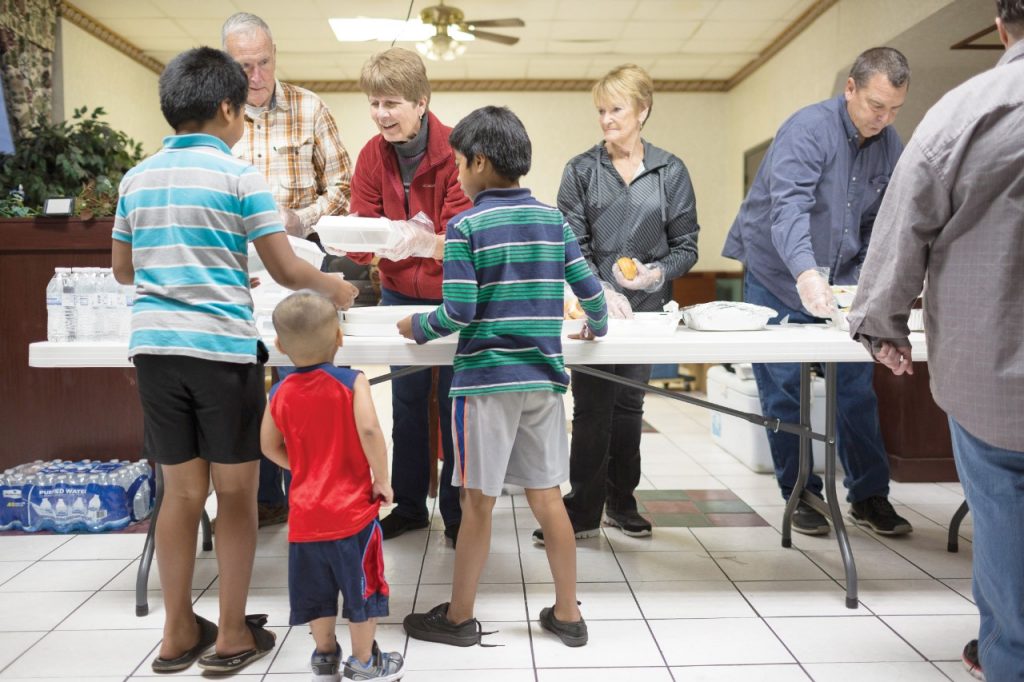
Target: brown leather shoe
(271, 515)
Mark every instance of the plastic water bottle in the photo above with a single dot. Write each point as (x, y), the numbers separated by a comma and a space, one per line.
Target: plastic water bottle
(56, 324)
(85, 293)
(69, 304)
(125, 311)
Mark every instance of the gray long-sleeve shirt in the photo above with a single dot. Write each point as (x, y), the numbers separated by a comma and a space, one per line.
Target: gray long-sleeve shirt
(954, 213)
(814, 200)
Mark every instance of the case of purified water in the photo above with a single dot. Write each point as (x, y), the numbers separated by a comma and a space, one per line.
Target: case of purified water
(73, 496)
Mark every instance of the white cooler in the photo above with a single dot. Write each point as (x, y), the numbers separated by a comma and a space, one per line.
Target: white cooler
(743, 440)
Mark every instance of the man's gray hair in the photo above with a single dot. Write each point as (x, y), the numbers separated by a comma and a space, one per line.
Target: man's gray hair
(243, 22)
(886, 60)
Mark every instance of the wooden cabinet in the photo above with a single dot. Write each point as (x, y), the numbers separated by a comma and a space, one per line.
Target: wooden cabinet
(49, 413)
(914, 428)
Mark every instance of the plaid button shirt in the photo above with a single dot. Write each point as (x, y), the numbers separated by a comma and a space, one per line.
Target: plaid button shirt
(294, 143)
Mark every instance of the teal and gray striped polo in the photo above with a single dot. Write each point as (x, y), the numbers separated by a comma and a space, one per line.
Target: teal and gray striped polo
(188, 213)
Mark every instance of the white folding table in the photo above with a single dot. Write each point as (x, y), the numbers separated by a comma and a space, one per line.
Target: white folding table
(807, 345)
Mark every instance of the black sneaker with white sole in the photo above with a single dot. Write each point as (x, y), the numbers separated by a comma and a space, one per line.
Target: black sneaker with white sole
(629, 522)
(807, 520)
(877, 514)
(579, 533)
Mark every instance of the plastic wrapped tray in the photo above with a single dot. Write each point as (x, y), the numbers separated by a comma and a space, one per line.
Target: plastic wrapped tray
(727, 316)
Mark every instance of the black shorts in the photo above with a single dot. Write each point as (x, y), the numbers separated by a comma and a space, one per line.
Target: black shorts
(200, 408)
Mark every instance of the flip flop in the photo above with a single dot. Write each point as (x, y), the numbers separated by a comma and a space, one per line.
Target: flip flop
(207, 638)
(265, 639)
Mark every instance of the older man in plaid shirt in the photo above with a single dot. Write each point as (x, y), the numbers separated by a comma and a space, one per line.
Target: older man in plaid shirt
(290, 135)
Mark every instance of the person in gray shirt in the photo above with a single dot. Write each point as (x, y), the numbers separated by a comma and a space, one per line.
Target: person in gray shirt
(954, 218)
(805, 224)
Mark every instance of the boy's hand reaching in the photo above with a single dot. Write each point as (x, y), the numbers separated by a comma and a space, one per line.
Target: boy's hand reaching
(343, 293)
(382, 490)
(405, 327)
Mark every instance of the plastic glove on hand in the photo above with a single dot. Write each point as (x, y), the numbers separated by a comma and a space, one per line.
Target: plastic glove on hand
(410, 238)
(647, 278)
(815, 294)
(618, 305)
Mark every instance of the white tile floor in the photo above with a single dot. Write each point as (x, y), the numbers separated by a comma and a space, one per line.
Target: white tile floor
(707, 604)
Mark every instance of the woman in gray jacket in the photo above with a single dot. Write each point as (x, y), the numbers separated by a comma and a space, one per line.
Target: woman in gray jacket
(624, 199)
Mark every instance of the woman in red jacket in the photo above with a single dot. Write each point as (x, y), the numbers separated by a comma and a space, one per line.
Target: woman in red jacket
(408, 169)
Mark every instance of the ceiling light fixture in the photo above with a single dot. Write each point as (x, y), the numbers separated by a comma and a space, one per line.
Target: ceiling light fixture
(441, 47)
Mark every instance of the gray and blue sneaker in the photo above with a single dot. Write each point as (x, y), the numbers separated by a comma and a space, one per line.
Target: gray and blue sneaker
(326, 666)
(384, 667)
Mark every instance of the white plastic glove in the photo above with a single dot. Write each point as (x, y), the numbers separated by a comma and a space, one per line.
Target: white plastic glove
(648, 277)
(815, 294)
(409, 238)
(618, 306)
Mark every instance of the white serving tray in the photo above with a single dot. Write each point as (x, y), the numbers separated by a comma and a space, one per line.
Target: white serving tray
(352, 233)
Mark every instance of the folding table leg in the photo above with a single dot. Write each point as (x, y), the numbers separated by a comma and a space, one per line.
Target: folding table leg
(142, 577)
(830, 486)
(953, 543)
(805, 455)
(146, 561)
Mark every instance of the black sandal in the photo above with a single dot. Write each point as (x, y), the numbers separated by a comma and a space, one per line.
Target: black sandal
(207, 638)
(265, 639)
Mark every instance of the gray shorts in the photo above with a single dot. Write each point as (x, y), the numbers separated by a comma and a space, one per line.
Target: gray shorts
(517, 437)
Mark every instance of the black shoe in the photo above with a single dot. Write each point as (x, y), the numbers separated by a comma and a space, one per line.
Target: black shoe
(451, 531)
(271, 514)
(629, 522)
(971, 660)
(434, 626)
(877, 514)
(808, 521)
(394, 525)
(580, 533)
(571, 634)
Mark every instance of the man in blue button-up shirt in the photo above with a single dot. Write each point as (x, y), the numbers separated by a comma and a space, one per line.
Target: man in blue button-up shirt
(809, 212)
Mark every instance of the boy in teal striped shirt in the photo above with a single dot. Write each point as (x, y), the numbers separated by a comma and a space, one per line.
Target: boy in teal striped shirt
(506, 262)
(184, 218)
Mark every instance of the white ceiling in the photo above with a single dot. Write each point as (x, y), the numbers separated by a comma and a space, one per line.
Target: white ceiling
(562, 39)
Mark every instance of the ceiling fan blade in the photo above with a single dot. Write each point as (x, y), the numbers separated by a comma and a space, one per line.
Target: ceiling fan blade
(496, 23)
(494, 37)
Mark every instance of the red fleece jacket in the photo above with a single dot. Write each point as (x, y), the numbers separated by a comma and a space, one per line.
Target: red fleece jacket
(377, 191)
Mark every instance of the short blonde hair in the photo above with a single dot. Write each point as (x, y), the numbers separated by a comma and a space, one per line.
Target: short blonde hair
(397, 71)
(626, 83)
(307, 326)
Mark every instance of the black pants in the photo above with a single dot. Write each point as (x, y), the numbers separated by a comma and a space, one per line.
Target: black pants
(604, 457)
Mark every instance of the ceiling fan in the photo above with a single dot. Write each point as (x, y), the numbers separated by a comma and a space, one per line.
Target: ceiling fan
(445, 18)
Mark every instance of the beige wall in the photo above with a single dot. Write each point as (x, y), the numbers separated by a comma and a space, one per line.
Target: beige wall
(805, 71)
(708, 131)
(95, 74)
(564, 124)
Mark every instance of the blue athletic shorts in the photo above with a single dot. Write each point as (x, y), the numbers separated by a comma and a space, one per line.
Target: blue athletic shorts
(353, 566)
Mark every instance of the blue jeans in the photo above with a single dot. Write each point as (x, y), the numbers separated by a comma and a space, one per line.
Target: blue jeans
(858, 432)
(993, 481)
(274, 481)
(410, 458)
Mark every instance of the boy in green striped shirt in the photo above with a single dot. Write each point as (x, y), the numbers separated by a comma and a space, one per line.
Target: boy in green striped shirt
(506, 262)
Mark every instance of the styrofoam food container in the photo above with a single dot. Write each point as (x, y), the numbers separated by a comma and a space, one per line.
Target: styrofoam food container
(303, 248)
(352, 233)
(378, 320)
(642, 324)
